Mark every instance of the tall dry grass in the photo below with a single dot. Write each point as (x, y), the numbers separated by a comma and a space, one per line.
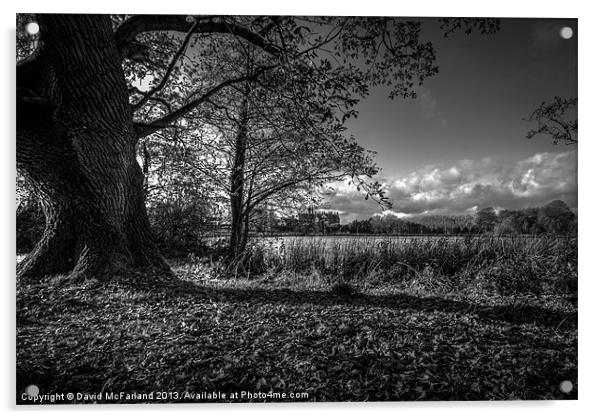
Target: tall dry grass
(504, 264)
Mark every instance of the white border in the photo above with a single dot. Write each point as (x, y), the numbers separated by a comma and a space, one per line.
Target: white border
(589, 203)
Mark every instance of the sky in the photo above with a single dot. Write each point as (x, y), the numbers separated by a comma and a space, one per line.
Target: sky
(461, 145)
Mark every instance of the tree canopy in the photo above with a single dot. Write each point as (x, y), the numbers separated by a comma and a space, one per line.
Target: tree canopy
(557, 119)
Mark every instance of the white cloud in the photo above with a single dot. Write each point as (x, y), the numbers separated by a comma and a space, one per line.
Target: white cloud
(471, 184)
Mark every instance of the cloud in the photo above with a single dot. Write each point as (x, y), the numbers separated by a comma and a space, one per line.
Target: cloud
(468, 185)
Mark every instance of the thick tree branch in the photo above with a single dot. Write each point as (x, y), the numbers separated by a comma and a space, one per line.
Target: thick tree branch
(164, 122)
(127, 31)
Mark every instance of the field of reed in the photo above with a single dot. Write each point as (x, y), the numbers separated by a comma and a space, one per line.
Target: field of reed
(503, 265)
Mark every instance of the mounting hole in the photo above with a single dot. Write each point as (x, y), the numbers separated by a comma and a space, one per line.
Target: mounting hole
(566, 387)
(32, 28)
(32, 390)
(566, 32)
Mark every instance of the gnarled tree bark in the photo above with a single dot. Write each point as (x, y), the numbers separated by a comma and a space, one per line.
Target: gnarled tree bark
(76, 144)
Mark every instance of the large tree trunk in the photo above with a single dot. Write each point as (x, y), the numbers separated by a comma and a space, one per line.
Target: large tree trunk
(76, 144)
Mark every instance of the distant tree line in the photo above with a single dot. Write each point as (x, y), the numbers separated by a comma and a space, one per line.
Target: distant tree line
(553, 218)
(426, 224)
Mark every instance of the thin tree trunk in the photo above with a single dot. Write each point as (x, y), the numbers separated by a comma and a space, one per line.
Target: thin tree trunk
(237, 183)
(77, 145)
(245, 236)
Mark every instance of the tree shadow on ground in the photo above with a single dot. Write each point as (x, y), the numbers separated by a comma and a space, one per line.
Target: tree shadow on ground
(515, 314)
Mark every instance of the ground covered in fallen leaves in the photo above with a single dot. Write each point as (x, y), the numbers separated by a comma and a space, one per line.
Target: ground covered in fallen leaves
(195, 338)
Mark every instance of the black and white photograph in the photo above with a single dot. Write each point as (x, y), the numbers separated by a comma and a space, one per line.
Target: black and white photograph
(268, 208)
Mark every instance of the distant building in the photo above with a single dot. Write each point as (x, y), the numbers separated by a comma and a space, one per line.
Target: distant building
(316, 221)
(265, 219)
